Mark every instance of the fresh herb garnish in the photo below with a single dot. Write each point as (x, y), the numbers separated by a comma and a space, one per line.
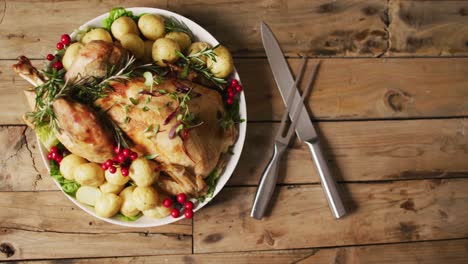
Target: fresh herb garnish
(211, 180)
(68, 186)
(231, 116)
(152, 156)
(174, 25)
(133, 101)
(193, 62)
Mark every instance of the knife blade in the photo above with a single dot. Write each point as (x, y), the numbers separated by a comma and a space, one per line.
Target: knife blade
(304, 129)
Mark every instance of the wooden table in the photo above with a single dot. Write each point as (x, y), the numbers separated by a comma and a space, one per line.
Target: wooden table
(390, 102)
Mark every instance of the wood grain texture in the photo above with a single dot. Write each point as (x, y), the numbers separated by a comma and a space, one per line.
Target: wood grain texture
(387, 212)
(455, 251)
(433, 28)
(364, 151)
(48, 225)
(345, 89)
(324, 28)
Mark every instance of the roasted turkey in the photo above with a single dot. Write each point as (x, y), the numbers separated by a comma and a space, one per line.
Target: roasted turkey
(147, 116)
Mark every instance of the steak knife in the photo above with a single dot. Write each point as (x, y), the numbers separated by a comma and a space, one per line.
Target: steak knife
(304, 129)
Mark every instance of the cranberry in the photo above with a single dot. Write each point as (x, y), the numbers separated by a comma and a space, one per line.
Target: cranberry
(104, 166)
(188, 214)
(53, 155)
(188, 205)
(57, 65)
(50, 57)
(167, 202)
(234, 82)
(109, 163)
(231, 93)
(117, 150)
(229, 101)
(65, 39)
(112, 169)
(126, 152)
(49, 156)
(59, 46)
(58, 159)
(133, 156)
(238, 88)
(181, 197)
(121, 158)
(54, 149)
(175, 213)
(124, 171)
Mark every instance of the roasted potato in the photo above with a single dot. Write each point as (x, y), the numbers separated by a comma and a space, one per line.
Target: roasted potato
(70, 54)
(96, 34)
(165, 49)
(88, 195)
(124, 25)
(68, 164)
(116, 178)
(145, 198)
(107, 204)
(128, 207)
(108, 187)
(143, 172)
(197, 47)
(90, 174)
(152, 26)
(134, 44)
(181, 38)
(223, 65)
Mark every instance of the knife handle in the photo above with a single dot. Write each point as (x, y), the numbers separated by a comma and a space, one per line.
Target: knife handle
(267, 183)
(328, 183)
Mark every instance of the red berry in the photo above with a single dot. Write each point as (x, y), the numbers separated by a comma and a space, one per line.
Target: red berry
(57, 65)
(121, 158)
(133, 156)
(167, 203)
(112, 169)
(231, 93)
(104, 166)
(109, 163)
(126, 152)
(54, 149)
(238, 88)
(53, 155)
(188, 205)
(175, 213)
(59, 158)
(234, 82)
(59, 46)
(124, 171)
(50, 57)
(65, 39)
(229, 101)
(188, 214)
(181, 197)
(117, 150)
(49, 156)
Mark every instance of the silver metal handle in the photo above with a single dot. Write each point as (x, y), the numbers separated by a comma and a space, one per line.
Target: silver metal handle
(328, 183)
(267, 183)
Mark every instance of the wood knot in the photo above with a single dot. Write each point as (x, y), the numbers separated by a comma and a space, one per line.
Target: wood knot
(213, 238)
(408, 205)
(7, 249)
(327, 8)
(397, 100)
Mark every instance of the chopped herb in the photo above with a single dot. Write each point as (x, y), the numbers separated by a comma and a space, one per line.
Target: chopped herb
(127, 119)
(150, 127)
(152, 156)
(148, 99)
(133, 100)
(179, 128)
(162, 91)
(145, 109)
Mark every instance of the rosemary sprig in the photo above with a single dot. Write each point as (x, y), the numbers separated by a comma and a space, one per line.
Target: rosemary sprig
(174, 25)
(195, 63)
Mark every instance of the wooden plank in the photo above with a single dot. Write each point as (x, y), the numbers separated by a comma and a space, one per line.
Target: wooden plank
(345, 89)
(357, 151)
(344, 28)
(47, 225)
(430, 28)
(379, 213)
(455, 251)
(364, 151)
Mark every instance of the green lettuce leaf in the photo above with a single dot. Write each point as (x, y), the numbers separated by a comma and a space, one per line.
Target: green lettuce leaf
(116, 13)
(46, 136)
(68, 186)
(128, 219)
